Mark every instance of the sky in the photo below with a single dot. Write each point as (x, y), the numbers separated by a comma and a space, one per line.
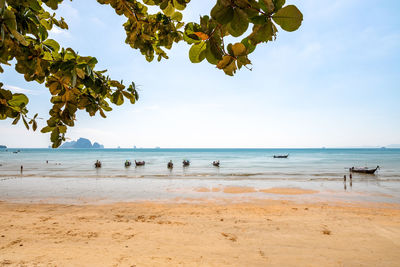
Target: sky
(335, 82)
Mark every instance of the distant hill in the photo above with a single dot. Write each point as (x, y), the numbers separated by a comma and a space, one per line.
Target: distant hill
(1, 146)
(81, 143)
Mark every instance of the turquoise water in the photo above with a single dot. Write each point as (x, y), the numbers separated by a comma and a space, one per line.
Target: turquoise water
(302, 164)
(71, 174)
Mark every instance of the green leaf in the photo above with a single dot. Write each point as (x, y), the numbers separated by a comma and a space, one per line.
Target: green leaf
(6, 94)
(278, 4)
(9, 19)
(25, 123)
(16, 119)
(213, 54)
(53, 45)
(242, 61)
(189, 34)
(289, 18)
(54, 135)
(177, 16)
(249, 45)
(53, 4)
(197, 52)
(33, 4)
(267, 6)
(180, 5)
(47, 129)
(102, 113)
(131, 97)
(239, 23)
(169, 10)
(262, 33)
(231, 68)
(117, 98)
(19, 37)
(18, 100)
(51, 122)
(62, 129)
(224, 62)
(259, 19)
(222, 14)
(239, 49)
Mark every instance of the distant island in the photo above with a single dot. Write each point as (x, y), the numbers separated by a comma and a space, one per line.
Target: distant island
(1, 146)
(81, 143)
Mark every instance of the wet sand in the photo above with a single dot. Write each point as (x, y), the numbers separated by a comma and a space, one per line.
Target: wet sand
(288, 191)
(205, 233)
(246, 189)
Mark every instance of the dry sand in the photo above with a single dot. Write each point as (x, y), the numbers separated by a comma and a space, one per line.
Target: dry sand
(257, 233)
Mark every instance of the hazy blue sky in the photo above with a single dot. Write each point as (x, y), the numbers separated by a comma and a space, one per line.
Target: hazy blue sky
(335, 82)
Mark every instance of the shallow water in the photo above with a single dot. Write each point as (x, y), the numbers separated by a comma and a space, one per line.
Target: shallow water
(70, 174)
(302, 164)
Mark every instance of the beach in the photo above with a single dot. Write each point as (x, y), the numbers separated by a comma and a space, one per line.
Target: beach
(201, 233)
(285, 157)
(285, 212)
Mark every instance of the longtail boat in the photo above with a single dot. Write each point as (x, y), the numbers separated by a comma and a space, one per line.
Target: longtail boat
(128, 163)
(281, 156)
(140, 163)
(364, 170)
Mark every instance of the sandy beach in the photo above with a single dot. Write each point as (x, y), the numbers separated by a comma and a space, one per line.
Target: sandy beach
(202, 233)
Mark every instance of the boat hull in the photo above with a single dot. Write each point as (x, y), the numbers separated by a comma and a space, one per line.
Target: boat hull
(281, 157)
(364, 171)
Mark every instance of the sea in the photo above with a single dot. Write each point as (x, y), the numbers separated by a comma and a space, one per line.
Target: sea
(65, 175)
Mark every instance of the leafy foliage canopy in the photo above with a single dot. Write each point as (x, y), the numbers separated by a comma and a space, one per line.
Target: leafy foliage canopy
(72, 79)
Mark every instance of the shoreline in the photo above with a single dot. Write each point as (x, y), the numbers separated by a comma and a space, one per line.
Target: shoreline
(247, 233)
(113, 190)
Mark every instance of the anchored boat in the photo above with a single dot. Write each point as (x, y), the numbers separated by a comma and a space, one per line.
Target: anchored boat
(140, 163)
(281, 156)
(364, 170)
(128, 163)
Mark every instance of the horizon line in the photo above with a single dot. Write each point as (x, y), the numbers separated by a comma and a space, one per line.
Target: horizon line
(156, 148)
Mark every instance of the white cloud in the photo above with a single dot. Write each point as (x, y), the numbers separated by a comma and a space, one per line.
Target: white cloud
(59, 32)
(97, 22)
(16, 89)
(145, 108)
(66, 10)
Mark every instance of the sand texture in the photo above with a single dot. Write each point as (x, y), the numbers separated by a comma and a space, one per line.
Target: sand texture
(258, 233)
(245, 189)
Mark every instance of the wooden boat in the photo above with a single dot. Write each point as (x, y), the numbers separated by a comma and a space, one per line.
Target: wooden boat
(97, 164)
(128, 163)
(140, 163)
(170, 165)
(281, 156)
(216, 163)
(185, 163)
(364, 170)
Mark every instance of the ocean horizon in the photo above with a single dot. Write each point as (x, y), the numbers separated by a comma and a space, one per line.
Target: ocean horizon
(63, 173)
(306, 163)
